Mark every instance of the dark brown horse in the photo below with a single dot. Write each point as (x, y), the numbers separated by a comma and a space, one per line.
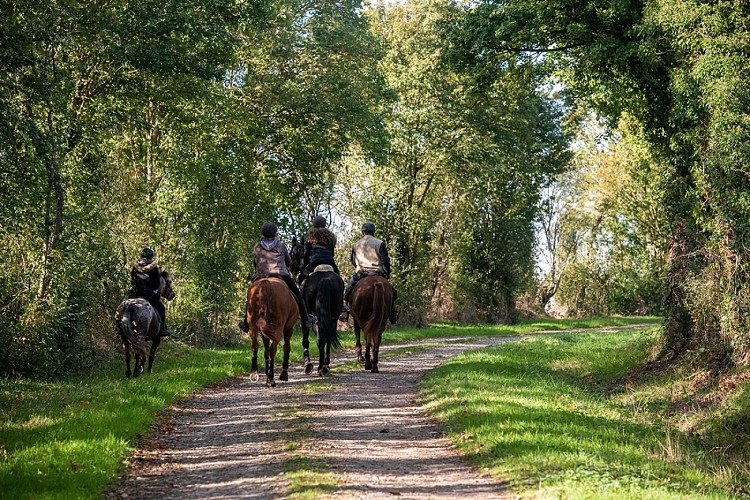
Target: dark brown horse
(324, 298)
(370, 304)
(272, 313)
(139, 322)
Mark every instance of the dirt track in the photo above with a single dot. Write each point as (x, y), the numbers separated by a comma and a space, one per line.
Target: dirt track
(365, 429)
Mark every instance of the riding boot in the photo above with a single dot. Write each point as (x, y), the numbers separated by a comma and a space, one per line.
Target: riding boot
(344, 316)
(165, 332)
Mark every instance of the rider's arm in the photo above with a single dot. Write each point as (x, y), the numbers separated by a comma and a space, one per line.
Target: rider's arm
(385, 260)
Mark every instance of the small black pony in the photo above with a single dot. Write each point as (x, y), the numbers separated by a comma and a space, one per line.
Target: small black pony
(138, 322)
(324, 297)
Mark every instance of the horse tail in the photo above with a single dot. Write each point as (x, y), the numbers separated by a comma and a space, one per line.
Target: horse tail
(379, 319)
(264, 312)
(327, 317)
(126, 324)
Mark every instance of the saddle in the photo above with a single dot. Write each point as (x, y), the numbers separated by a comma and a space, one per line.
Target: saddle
(323, 268)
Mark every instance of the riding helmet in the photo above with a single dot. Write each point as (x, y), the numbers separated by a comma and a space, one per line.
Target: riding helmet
(319, 221)
(269, 229)
(147, 253)
(368, 227)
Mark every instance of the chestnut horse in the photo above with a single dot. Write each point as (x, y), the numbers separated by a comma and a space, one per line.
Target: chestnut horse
(370, 304)
(324, 298)
(138, 322)
(272, 313)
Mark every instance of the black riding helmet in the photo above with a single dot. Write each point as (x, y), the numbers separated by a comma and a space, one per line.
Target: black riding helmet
(319, 221)
(147, 253)
(269, 230)
(368, 227)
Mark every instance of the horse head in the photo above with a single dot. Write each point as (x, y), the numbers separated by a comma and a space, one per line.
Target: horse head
(165, 286)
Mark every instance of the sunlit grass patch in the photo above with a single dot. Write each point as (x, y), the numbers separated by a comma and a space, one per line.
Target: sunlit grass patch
(537, 412)
(68, 438)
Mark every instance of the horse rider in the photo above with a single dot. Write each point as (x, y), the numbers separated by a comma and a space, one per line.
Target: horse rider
(370, 258)
(145, 279)
(319, 247)
(271, 260)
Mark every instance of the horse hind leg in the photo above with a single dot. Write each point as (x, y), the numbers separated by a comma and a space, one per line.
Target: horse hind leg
(358, 344)
(254, 364)
(306, 348)
(325, 360)
(375, 353)
(270, 354)
(154, 345)
(126, 346)
(368, 359)
(285, 363)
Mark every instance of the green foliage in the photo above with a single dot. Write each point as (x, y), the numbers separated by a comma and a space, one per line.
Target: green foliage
(181, 127)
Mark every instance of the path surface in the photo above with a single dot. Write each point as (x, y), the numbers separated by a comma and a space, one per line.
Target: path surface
(228, 442)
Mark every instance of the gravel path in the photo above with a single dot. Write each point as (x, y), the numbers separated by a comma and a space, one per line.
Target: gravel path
(231, 441)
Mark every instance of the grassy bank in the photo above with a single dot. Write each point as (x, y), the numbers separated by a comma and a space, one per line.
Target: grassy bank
(540, 414)
(69, 438)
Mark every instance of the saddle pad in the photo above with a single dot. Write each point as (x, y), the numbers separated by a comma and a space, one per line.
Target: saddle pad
(323, 268)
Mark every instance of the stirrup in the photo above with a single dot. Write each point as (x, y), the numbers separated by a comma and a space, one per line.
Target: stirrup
(312, 319)
(344, 317)
(166, 333)
(243, 326)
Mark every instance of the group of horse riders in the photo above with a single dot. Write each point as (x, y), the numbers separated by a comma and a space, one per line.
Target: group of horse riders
(369, 256)
(271, 259)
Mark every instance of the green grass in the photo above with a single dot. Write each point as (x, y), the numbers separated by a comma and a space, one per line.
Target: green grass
(69, 438)
(441, 330)
(537, 413)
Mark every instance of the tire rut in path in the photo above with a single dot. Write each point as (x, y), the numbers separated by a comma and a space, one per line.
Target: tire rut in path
(228, 442)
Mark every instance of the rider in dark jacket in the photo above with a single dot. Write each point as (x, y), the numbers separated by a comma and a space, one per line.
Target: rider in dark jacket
(145, 280)
(272, 260)
(319, 248)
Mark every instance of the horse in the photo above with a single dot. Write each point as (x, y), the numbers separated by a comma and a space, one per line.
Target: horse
(138, 322)
(370, 304)
(298, 257)
(271, 312)
(324, 298)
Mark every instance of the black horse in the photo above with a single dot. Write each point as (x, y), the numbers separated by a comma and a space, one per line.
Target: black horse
(324, 297)
(138, 322)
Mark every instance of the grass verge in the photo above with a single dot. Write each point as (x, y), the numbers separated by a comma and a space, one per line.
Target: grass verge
(67, 439)
(539, 413)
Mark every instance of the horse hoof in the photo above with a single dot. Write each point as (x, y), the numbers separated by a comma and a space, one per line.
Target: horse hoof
(324, 371)
(284, 376)
(270, 383)
(308, 368)
(368, 366)
(254, 377)
(374, 369)
(361, 359)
